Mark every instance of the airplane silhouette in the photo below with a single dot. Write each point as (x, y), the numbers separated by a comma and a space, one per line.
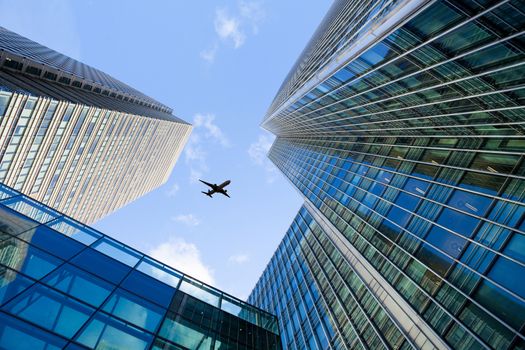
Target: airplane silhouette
(216, 188)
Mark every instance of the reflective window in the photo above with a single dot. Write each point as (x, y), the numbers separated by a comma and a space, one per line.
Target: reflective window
(510, 275)
(160, 272)
(200, 291)
(149, 288)
(104, 332)
(101, 265)
(458, 222)
(51, 241)
(50, 309)
(79, 284)
(185, 333)
(12, 283)
(449, 243)
(501, 304)
(74, 230)
(13, 223)
(31, 208)
(117, 251)
(18, 335)
(25, 258)
(134, 309)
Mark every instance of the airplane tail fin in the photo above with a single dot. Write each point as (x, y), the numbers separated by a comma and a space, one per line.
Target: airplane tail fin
(206, 193)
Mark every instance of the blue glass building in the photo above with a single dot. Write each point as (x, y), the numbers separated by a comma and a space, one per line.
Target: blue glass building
(64, 285)
(402, 126)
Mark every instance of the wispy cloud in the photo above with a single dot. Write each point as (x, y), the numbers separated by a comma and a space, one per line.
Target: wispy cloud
(172, 192)
(187, 219)
(210, 53)
(230, 25)
(211, 130)
(184, 256)
(258, 151)
(253, 13)
(239, 258)
(206, 133)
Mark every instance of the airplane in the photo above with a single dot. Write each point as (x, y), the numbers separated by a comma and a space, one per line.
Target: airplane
(216, 188)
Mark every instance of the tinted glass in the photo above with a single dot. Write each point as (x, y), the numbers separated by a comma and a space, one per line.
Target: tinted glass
(101, 265)
(51, 241)
(79, 284)
(149, 288)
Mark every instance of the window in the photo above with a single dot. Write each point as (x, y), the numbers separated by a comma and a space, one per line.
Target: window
(52, 242)
(50, 309)
(149, 288)
(79, 284)
(13, 330)
(134, 309)
(109, 333)
(101, 265)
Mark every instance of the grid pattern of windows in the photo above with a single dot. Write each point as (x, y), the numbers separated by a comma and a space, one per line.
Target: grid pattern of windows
(412, 150)
(64, 285)
(320, 301)
(83, 160)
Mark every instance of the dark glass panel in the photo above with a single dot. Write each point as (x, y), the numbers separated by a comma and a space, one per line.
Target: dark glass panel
(25, 258)
(435, 260)
(12, 283)
(149, 288)
(18, 335)
(13, 223)
(51, 241)
(101, 265)
(501, 304)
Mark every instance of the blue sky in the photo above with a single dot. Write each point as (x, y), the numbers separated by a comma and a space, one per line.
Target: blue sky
(218, 64)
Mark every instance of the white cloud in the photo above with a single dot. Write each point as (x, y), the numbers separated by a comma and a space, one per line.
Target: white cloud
(187, 219)
(229, 28)
(184, 256)
(258, 154)
(239, 258)
(212, 131)
(172, 192)
(205, 133)
(209, 54)
(253, 13)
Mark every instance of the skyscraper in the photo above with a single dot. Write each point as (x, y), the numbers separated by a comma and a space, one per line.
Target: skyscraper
(76, 138)
(64, 285)
(402, 126)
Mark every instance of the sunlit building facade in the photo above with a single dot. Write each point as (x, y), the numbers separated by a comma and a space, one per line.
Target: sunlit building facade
(75, 138)
(402, 126)
(64, 285)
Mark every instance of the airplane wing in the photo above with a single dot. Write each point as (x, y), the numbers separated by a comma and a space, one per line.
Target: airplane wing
(224, 193)
(206, 183)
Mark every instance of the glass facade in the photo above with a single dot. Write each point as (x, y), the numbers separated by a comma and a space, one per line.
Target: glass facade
(64, 285)
(409, 154)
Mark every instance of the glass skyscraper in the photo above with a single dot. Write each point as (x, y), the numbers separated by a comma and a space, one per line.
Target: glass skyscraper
(76, 138)
(402, 125)
(64, 285)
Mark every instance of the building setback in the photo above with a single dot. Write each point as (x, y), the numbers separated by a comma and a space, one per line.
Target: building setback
(402, 126)
(77, 139)
(64, 285)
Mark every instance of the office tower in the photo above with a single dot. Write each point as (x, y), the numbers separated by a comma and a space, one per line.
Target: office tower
(64, 285)
(402, 125)
(77, 139)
